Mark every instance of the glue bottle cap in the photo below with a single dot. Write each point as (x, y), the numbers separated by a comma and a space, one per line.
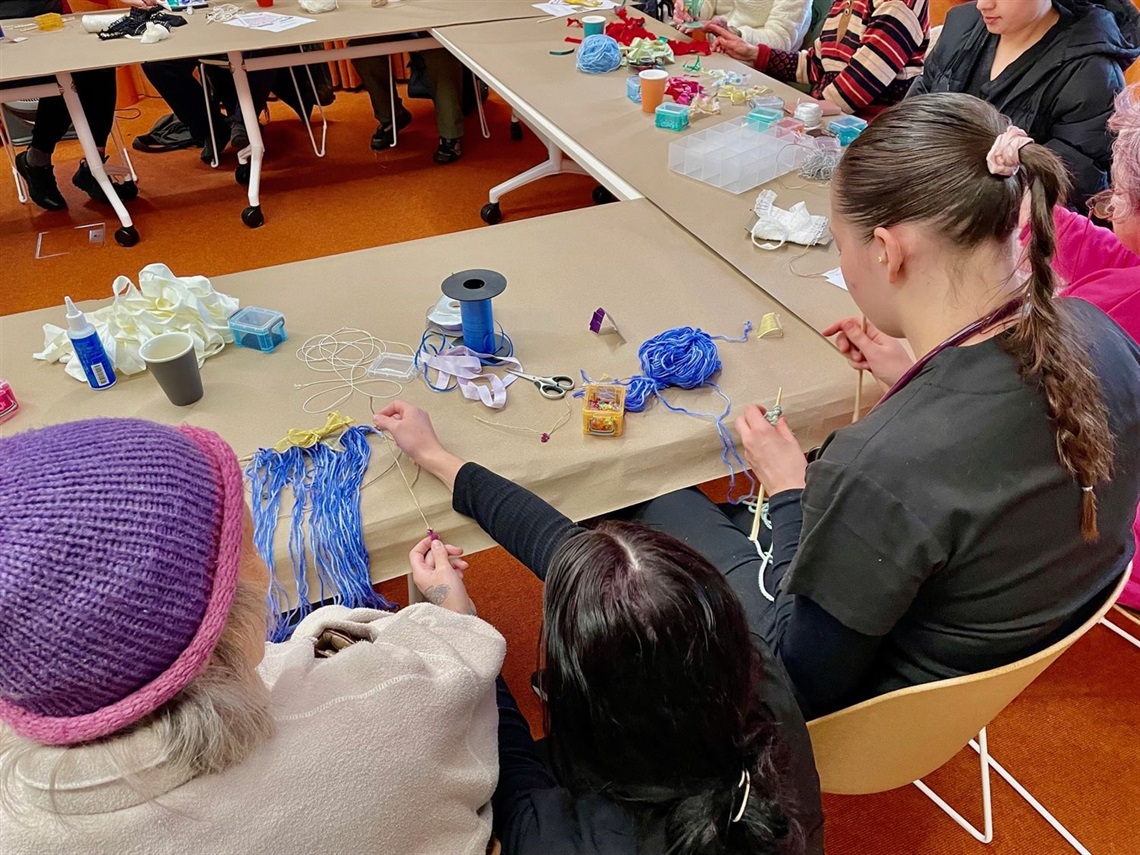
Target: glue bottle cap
(76, 320)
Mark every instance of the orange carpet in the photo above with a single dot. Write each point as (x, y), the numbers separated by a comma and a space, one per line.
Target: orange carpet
(1071, 738)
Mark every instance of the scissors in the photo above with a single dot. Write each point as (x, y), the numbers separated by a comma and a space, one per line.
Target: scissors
(549, 387)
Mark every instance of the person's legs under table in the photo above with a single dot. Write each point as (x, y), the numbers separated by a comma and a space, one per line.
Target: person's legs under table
(376, 77)
(175, 81)
(445, 73)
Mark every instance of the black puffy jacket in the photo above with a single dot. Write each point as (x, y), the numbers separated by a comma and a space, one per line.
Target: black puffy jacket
(1063, 99)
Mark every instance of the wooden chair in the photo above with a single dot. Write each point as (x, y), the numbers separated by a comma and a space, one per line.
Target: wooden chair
(896, 739)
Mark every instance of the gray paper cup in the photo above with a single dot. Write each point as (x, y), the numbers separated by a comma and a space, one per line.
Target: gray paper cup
(174, 364)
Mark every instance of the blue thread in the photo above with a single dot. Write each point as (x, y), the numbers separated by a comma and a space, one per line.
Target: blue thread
(325, 483)
(599, 54)
(685, 358)
(478, 325)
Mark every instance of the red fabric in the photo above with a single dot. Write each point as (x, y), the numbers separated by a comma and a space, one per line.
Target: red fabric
(683, 90)
(573, 40)
(628, 28)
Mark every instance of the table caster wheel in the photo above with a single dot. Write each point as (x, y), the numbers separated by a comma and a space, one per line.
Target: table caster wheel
(491, 213)
(602, 196)
(127, 236)
(241, 174)
(253, 217)
(516, 131)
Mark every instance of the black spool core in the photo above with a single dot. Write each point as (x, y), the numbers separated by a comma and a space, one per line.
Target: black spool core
(470, 285)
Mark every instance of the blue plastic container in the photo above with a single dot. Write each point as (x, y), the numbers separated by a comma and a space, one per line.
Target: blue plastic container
(671, 117)
(846, 128)
(763, 118)
(259, 329)
(633, 89)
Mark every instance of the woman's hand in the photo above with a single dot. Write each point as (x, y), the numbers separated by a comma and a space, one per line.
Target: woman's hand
(681, 16)
(412, 429)
(729, 43)
(772, 451)
(141, 4)
(437, 571)
(873, 350)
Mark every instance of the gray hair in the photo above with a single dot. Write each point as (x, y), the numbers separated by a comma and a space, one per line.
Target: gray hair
(216, 722)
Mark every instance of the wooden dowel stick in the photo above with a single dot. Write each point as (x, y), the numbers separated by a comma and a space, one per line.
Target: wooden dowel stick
(754, 537)
(859, 386)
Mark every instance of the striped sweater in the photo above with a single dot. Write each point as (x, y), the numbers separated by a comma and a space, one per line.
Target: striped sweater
(871, 66)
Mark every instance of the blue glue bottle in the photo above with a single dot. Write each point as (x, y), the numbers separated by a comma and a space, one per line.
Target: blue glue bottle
(88, 348)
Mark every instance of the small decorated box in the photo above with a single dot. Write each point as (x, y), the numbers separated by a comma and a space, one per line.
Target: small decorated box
(603, 410)
(787, 127)
(259, 329)
(762, 118)
(633, 89)
(846, 128)
(672, 117)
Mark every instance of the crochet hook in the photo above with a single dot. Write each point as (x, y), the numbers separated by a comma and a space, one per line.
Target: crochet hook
(754, 537)
(859, 385)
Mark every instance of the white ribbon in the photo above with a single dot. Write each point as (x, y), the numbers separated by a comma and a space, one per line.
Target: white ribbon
(465, 367)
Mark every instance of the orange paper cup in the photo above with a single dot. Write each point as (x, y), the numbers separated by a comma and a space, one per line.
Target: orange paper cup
(652, 89)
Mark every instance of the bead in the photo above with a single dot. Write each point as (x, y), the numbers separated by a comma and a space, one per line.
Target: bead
(545, 437)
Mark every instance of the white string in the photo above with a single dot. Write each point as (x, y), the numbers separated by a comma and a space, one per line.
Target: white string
(346, 353)
(223, 13)
(765, 556)
(407, 483)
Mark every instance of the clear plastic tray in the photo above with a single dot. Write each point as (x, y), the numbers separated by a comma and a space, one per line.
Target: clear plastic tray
(735, 156)
(393, 366)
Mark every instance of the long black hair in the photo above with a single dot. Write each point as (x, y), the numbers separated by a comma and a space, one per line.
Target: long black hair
(652, 686)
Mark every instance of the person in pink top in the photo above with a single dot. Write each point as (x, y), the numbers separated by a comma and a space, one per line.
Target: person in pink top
(1102, 266)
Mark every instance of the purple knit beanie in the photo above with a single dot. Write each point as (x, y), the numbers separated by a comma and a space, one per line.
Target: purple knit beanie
(119, 547)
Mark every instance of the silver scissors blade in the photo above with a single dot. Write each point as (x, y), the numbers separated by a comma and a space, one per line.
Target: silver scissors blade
(549, 387)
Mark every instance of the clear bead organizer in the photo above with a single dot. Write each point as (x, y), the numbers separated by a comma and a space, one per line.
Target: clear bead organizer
(736, 156)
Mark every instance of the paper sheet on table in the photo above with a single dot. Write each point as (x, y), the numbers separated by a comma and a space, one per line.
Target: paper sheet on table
(562, 10)
(835, 277)
(270, 21)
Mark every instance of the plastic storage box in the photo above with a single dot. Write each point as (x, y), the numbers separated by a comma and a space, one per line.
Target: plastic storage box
(762, 118)
(633, 89)
(846, 128)
(603, 410)
(734, 157)
(259, 329)
(672, 117)
(788, 126)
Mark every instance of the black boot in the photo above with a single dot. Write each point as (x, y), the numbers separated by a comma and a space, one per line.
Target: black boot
(449, 151)
(85, 181)
(41, 184)
(382, 139)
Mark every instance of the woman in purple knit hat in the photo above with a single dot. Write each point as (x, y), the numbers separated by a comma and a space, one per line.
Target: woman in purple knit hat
(141, 710)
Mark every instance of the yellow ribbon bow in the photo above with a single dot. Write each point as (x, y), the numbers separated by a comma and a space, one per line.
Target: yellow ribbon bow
(307, 438)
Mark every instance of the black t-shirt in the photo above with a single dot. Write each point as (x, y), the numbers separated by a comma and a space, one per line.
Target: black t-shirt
(944, 523)
(979, 84)
(28, 8)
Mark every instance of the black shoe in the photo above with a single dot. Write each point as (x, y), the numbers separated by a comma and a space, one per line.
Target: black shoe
(239, 139)
(449, 151)
(382, 139)
(168, 134)
(41, 184)
(85, 181)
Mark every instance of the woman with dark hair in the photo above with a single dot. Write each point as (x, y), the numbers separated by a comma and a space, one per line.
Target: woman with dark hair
(982, 510)
(672, 728)
(1053, 67)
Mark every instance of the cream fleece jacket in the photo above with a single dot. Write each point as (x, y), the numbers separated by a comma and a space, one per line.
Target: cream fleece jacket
(389, 746)
(779, 24)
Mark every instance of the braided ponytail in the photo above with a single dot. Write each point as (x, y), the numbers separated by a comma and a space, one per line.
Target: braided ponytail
(1048, 350)
(946, 141)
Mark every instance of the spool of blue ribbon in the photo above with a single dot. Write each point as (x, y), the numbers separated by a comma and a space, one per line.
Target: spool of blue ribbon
(474, 290)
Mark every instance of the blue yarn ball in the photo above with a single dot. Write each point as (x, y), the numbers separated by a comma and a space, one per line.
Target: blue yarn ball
(683, 357)
(599, 54)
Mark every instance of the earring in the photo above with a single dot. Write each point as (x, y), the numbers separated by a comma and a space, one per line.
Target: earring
(880, 259)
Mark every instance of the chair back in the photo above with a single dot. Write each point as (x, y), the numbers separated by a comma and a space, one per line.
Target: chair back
(894, 739)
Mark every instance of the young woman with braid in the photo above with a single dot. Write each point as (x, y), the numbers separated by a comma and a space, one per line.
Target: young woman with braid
(983, 509)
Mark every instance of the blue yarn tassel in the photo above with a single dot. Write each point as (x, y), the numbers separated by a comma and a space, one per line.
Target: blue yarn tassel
(326, 484)
(686, 358)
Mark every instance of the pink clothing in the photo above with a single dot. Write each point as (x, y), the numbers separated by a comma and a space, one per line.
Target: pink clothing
(1099, 270)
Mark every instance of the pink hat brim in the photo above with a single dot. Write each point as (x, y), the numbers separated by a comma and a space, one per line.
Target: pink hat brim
(63, 730)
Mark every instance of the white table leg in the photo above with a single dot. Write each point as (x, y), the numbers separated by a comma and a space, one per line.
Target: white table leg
(251, 216)
(127, 235)
(556, 163)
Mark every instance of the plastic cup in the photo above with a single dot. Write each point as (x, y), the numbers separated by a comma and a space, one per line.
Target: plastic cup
(174, 364)
(264, 4)
(652, 89)
(593, 25)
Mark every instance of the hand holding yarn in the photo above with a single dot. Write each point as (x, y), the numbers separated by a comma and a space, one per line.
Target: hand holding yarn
(437, 571)
(772, 451)
(413, 432)
(873, 350)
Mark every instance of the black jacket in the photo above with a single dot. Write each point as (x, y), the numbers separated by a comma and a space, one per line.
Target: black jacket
(1062, 98)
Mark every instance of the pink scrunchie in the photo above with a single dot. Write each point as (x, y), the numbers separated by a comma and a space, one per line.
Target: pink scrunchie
(1004, 158)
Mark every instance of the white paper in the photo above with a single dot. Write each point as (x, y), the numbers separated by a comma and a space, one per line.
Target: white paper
(835, 277)
(269, 21)
(563, 10)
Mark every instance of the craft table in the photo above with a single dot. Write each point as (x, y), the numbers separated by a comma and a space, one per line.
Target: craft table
(589, 118)
(559, 270)
(60, 53)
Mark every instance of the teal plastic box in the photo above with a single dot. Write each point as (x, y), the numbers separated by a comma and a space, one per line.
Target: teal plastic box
(672, 117)
(846, 128)
(763, 118)
(258, 329)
